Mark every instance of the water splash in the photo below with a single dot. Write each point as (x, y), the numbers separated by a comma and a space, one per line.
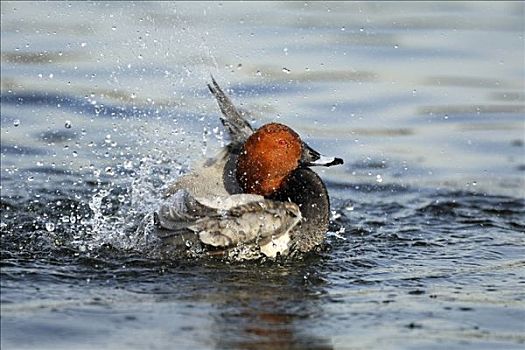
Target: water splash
(121, 215)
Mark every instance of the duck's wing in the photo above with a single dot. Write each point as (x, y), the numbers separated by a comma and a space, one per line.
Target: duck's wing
(232, 119)
(240, 220)
(256, 222)
(182, 209)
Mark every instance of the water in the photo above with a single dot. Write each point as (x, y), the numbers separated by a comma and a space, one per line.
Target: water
(102, 104)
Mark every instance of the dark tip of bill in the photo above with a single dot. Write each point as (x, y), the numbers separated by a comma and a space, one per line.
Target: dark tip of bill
(336, 161)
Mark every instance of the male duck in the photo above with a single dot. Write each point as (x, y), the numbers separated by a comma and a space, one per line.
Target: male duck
(257, 198)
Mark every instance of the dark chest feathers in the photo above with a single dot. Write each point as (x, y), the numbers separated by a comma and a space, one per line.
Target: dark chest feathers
(305, 188)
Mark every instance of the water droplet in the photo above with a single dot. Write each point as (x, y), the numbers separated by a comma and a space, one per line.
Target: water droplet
(114, 28)
(446, 116)
(68, 124)
(396, 46)
(16, 122)
(39, 163)
(379, 179)
(343, 29)
(349, 208)
(414, 92)
(335, 215)
(128, 164)
(361, 29)
(75, 154)
(83, 44)
(30, 178)
(286, 70)
(50, 227)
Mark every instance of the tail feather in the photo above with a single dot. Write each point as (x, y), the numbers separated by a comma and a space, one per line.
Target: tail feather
(238, 127)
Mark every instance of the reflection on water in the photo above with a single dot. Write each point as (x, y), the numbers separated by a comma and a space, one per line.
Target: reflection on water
(103, 104)
(265, 310)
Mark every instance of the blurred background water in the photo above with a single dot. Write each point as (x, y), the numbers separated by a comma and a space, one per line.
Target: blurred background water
(104, 102)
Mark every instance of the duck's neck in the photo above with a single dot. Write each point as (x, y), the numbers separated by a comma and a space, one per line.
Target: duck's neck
(305, 188)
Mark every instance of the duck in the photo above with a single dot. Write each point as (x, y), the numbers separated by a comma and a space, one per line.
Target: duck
(257, 198)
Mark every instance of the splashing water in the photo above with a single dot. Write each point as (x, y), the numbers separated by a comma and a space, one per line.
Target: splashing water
(122, 218)
(427, 242)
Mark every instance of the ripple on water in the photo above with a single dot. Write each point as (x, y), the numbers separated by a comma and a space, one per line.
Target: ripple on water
(405, 263)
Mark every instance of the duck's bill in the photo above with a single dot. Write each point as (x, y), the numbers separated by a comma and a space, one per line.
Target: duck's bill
(311, 157)
(327, 161)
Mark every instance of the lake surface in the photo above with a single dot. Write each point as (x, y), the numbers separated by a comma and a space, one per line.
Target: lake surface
(104, 103)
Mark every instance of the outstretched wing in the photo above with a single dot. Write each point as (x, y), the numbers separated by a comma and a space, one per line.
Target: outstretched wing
(181, 210)
(256, 222)
(238, 127)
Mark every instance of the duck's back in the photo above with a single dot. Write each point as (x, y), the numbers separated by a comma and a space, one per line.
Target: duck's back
(214, 178)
